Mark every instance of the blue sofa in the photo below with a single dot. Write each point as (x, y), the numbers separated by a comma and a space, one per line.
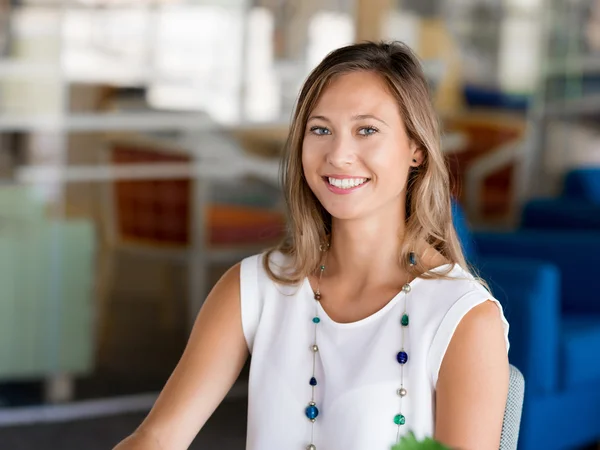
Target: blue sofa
(577, 208)
(544, 281)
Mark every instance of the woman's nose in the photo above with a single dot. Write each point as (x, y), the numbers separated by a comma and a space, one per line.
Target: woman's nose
(341, 153)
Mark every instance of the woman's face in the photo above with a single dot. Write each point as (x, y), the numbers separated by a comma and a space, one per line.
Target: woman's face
(356, 154)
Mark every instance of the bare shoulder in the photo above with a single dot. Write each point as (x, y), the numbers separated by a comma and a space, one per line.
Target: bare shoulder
(232, 275)
(473, 381)
(481, 333)
(482, 317)
(230, 280)
(228, 286)
(222, 305)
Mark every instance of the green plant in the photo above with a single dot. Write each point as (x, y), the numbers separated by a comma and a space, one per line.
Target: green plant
(410, 442)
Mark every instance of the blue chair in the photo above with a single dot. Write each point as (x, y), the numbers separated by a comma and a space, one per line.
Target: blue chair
(545, 282)
(583, 184)
(578, 207)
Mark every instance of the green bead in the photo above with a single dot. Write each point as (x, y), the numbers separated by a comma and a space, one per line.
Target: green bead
(399, 419)
(322, 268)
(404, 320)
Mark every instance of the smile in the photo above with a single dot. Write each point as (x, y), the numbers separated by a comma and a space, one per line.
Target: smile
(345, 185)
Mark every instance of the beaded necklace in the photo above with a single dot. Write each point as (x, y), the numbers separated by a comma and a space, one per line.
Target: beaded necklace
(312, 411)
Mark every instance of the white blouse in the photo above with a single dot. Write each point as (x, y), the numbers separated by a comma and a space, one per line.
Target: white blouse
(356, 368)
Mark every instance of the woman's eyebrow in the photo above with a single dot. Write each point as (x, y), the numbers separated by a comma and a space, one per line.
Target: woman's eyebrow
(368, 116)
(354, 118)
(318, 118)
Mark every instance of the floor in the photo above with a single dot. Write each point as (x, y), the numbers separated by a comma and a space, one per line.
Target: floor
(226, 430)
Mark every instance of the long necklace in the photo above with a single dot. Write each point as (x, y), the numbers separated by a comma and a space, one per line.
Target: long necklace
(312, 411)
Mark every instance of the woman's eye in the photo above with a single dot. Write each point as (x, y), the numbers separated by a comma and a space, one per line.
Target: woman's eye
(319, 131)
(367, 131)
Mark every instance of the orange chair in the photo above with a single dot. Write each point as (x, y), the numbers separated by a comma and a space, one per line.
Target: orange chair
(160, 218)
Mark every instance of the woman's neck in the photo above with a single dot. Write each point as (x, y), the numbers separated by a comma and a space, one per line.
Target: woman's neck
(365, 251)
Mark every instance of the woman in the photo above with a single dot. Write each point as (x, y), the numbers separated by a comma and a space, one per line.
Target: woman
(365, 322)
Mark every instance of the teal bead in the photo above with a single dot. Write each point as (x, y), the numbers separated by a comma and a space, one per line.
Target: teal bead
(316, 320)
(399, 419)
(322, 268)
(404, 320)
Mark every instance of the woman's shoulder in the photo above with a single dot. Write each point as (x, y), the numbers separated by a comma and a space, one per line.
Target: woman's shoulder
(259, 290)
(266, 267)
(450, 279)
(450, 283)
(449, 301)
(276, 260)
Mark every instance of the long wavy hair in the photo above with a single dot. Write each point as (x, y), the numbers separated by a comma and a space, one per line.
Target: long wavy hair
(428, 201)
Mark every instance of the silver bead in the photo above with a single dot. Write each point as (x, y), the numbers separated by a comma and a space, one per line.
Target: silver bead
(312, 404)
(401, 392)
(406, 288)
(311, 447)
(313, 420)
(315, 348)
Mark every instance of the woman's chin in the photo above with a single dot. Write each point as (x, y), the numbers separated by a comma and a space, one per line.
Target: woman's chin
(346, 212)
(365, 210)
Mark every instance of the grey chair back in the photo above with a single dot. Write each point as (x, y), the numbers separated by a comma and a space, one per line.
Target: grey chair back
(514, 408)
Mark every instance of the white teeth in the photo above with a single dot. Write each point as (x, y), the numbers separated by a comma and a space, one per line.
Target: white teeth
(346, 183)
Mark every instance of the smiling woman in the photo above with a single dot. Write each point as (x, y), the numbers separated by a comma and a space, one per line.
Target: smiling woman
(365, 323)
(356, 132)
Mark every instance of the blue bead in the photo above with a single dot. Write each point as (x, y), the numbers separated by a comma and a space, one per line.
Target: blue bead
(402, 357)
(313, 381)
(316, 320)
(312, 412)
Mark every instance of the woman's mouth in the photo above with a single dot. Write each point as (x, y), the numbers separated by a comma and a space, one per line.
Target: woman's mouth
(345, 185)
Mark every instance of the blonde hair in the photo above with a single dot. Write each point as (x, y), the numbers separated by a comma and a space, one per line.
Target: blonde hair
(428, 202)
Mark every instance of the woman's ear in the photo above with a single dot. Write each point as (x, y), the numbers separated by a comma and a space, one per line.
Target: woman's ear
(417, 155)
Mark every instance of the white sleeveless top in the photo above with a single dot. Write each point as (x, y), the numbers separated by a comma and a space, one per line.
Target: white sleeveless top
(356, 369)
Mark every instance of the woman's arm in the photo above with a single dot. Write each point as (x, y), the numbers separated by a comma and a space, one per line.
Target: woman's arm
(472, 385)
(213, 358)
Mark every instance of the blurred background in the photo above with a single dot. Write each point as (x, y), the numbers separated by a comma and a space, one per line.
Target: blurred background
(139, 151)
